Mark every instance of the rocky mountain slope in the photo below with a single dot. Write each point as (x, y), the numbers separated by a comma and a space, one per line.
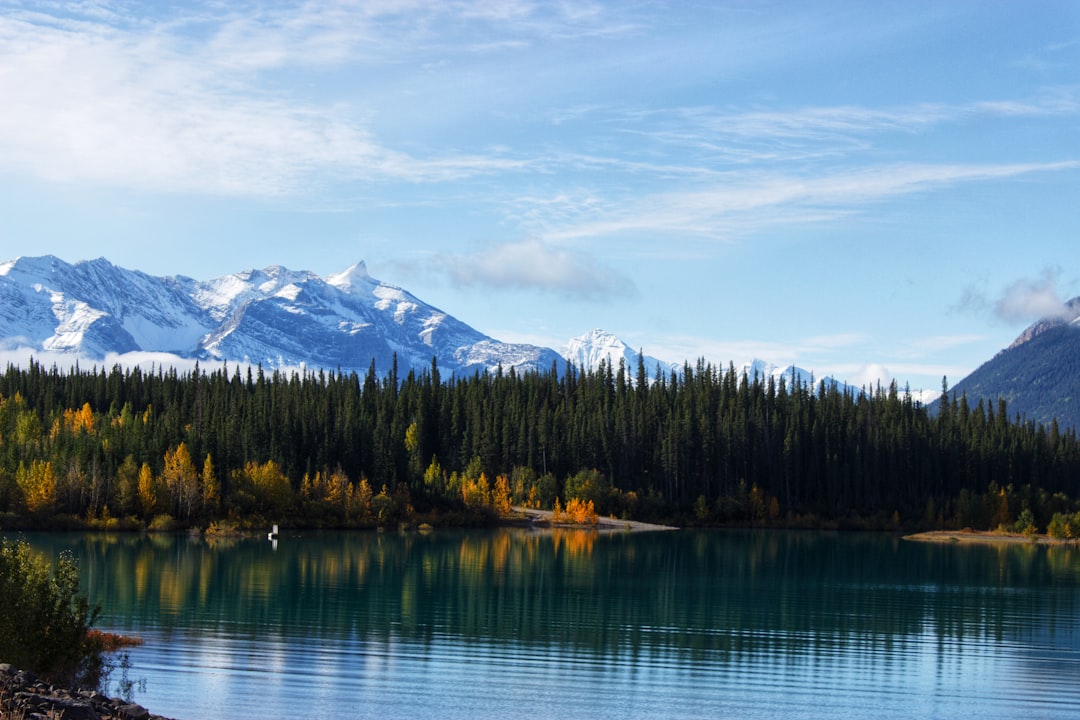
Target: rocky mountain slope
(275, 316)
(1038, 375)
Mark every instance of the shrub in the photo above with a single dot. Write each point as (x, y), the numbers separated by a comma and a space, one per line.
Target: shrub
(576, 512)
(162, 523)
(1025, 524)
(44, 621)
(1057, 527)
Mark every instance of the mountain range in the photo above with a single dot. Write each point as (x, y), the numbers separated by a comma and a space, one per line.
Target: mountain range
(275, 317)
(280, 318)
(1038, 375)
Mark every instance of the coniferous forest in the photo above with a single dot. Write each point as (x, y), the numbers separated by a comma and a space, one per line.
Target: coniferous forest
(161, 449)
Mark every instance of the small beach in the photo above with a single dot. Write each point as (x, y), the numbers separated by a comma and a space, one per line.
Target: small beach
(604, 523)
(984, 537)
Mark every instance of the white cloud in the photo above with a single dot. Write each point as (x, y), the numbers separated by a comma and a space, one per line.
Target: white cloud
(1028, 300)
(535, 265)
(154, 109)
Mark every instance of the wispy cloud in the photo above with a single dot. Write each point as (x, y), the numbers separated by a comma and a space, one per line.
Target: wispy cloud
(935, 344)
(205, 99)
(183, 105)
(803, 352)
(534, 265)
(1027, 300)
(1023, 301)
(747, 203)
(802, 133)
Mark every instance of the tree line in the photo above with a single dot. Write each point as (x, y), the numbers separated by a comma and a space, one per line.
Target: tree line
(707, 445)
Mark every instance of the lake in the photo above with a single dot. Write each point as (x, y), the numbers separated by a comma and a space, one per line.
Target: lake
(573, 624)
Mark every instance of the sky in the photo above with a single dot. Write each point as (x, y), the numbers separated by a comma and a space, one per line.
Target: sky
(874, 191)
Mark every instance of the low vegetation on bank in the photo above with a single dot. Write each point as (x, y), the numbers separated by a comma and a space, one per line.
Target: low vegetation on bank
(45, 623)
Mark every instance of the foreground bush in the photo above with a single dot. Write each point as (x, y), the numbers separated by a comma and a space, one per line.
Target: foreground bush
(44, 621)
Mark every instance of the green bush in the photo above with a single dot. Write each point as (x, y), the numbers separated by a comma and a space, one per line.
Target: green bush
(44, 620)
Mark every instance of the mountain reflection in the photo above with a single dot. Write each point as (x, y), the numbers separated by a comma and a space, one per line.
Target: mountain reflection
(721, 595)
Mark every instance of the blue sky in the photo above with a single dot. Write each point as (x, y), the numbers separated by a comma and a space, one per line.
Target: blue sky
(871, 190)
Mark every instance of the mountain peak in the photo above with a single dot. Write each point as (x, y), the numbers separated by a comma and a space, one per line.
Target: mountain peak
(41, 265)
(349, 279)
(598, 346)
(275, 316)
(1069, 315)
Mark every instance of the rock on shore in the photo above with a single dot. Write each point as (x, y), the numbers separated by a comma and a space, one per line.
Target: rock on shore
(23, 696)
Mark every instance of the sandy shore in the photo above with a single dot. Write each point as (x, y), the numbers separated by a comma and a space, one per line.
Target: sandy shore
(983, 537)
(605, 524)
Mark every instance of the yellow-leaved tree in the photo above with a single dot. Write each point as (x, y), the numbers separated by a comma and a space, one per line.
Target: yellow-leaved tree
(148, 494)
(211, 492)
(181, 480)
(37, 481)
(266, 485)
(500, 496)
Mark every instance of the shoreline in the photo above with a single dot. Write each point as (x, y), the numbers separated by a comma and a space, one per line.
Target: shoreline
(24, 695)
(984, 537)
(542, 518)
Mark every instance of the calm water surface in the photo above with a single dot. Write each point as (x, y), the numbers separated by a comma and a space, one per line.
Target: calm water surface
(572, 624)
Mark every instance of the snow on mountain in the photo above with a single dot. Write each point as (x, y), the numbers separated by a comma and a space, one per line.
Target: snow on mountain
(793, 373)
(279, 318)
(274, 316)
(588, 351)
(1070, 315)
(1038, 375)
(789, 374)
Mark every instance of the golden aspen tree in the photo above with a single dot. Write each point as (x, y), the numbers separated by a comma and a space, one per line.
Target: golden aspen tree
(269, 485)
(336, 488)
(38, 485)
(581, 512)
(211, 491)
(361, 500)
(81, 420)
(500, 496)
(148, 495)
(181, 480)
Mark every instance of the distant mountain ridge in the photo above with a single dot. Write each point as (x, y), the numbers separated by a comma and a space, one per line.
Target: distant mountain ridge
(1038, 374)
(280, 318)
(588, 351)
(274, 316)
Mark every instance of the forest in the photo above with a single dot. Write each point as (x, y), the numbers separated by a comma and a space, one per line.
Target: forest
(159, 449)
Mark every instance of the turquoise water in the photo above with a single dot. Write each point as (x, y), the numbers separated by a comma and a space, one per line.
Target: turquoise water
(571, 624)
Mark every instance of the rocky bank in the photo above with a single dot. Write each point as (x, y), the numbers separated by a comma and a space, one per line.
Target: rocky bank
(24, 697)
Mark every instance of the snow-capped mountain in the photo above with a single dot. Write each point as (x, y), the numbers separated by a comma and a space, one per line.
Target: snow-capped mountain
(276, 317)
(588, 351)
(791, 373)
(1038, 375)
